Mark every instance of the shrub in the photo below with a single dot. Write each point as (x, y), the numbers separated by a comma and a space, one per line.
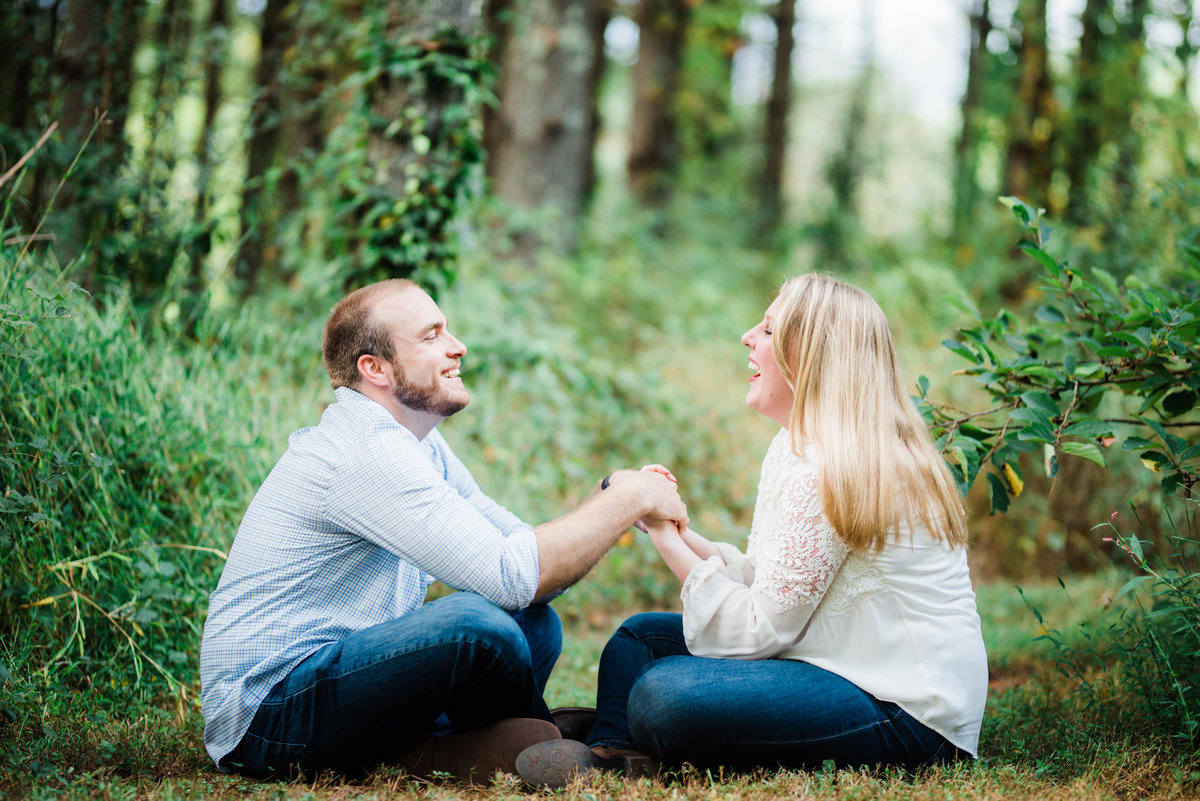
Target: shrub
(121, 478)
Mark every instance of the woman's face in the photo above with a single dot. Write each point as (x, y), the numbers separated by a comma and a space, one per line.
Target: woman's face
(769, 394)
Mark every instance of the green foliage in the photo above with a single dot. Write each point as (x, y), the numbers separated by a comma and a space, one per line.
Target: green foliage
(1140, 657)
(1100, 359)
(406, 227)
(119, 481)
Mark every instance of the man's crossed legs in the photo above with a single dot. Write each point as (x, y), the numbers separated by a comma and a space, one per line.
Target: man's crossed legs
(455, 665)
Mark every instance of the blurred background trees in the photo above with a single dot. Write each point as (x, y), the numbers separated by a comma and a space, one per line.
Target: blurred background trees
(232, 140)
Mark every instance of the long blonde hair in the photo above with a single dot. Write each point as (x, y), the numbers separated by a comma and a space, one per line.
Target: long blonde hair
(877, 467)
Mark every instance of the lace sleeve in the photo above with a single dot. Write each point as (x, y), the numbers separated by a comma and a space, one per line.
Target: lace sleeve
(798, 552)
(795, 555)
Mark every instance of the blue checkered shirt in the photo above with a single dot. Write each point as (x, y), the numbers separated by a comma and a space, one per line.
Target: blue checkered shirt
(349, 530)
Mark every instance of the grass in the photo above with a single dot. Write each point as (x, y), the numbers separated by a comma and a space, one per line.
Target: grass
(1038, 743)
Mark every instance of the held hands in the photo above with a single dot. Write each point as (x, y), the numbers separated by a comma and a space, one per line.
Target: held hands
(681, 548)
(646, 523)
(659, 493)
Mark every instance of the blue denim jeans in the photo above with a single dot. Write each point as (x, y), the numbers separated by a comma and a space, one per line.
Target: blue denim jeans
(457, 663)
(656, 698)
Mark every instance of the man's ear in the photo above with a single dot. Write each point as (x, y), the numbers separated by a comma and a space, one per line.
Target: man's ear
(375, 371)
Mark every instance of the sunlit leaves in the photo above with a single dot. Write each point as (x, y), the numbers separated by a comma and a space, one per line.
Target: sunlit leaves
(1091, 338)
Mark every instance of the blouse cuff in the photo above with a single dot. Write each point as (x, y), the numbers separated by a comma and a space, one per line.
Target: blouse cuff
(712, 566)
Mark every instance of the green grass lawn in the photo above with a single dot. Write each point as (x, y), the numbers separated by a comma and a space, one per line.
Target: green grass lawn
(1038, 743)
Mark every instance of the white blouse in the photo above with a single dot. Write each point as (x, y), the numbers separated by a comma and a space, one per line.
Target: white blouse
(900, 624)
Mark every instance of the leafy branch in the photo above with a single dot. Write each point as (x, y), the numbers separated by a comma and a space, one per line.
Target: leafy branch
(1093, 339)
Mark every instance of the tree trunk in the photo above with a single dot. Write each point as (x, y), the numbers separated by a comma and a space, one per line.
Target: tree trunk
(966, 151)
(94, 74)
(541, 134)
(1088, 114)
(1129, 142)
(775, 127)
(168, 84)
(27, 33)
(654, 132)
(600, 22)
(1029, 168)
(257, 218)
(1186, 50)
(213, 35)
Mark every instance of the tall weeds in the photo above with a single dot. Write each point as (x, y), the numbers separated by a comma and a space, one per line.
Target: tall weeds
(121, 478)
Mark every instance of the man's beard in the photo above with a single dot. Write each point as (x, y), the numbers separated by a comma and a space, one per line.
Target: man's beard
(431, 399)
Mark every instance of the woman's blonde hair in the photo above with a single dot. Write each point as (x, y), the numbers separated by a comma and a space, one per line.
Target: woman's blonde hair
(877, 466)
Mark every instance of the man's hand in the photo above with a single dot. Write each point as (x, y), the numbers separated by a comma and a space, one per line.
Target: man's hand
(659, 492)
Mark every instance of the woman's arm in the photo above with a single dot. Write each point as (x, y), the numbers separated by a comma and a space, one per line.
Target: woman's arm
(699, 545)
(675, 548)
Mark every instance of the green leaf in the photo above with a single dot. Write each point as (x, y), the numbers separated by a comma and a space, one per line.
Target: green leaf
(1179, 402)
(923, 385)
(1175, 445)
(1051, 460)
(1036, 432)
(1131, 585)
(1040, 372)
(962, 350)
(1040, 400)
(1087, 450)
(1028, 415)
(1106, 280)
(1089, 428)
(1155, 457)
(1043, 258)
(998, 492)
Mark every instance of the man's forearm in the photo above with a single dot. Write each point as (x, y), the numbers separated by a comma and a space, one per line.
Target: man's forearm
(570, 545)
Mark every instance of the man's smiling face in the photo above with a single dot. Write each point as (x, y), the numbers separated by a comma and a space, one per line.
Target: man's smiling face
(427, 356)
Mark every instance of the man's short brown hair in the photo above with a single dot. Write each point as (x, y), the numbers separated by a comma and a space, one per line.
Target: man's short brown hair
(351, 331)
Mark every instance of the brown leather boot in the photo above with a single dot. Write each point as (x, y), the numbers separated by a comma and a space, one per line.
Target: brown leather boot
(556, 763)
(475, 755)
(575, 722)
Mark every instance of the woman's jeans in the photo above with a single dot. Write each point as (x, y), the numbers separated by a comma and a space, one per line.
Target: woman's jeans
(656, 698)
(457, 663)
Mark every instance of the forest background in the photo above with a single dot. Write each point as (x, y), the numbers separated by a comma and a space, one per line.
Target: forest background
(602, 196)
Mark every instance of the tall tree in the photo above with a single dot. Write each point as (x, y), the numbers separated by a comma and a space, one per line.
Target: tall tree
(1089, 113)
(778, 112)
(416, 148)
(1029, 166)
(276, 30)
(657, 77)
(1132, 36)
(214, 33)
(966, 150)
(93, 78)
(540, 136)
(28, 31)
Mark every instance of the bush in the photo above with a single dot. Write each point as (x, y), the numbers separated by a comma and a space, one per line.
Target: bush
(1100, 358)
(122, 480)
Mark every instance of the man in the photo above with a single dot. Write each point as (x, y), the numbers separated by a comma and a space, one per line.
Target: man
(318, 651)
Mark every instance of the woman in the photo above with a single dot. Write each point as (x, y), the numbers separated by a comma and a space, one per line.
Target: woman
(848, 630)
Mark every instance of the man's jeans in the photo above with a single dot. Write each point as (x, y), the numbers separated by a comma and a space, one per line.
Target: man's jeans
(457, 663)
(655, 698)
